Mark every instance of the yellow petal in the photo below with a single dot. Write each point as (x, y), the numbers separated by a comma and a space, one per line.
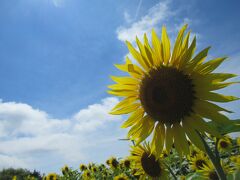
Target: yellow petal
(131, 68)
(125, 102)
(158, 139)
(211, 96)
(185, 42)
(125, 80)
(198, 59)
(218, 77)
(123, 93)
(177, 140)
(169, 138)
(135, 117)
(192, 134)
(126, 109)
(178, 44)
(148, 50)
(188, 54)
(210, 65)
(166, 51)
(146, 130)
(123, 87)
(136, 55)
(143, 53)
(157, 48)
(211, 113)
(200, 125)
(210, 106)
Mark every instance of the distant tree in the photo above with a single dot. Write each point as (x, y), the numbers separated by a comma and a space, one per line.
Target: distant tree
(9, 173)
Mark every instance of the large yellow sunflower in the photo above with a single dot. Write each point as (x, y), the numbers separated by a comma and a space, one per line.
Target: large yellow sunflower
(147, 164)
(170, 93)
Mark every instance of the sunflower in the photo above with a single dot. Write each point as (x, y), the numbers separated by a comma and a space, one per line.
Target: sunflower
(94, 169)
(224, 144)
(82, 167)
(65, 170)
(198, 161)
(113, 162)
(126, 163)
(86, 175)
(121, 177)
(170, 93)
(236, 161)
(209, 172)
(147, 164)
(52, 176)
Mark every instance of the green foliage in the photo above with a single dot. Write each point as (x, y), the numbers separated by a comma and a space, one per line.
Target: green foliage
(23, 174)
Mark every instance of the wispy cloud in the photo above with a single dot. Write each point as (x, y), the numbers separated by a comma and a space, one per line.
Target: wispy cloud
(155, 15)
(34, 134)
(58, 3)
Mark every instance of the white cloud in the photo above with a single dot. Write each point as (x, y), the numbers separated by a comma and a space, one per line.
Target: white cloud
(155, 15)
(57, 3)
(27, 134)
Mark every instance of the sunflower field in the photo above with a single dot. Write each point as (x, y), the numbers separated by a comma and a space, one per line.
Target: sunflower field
(177, 128)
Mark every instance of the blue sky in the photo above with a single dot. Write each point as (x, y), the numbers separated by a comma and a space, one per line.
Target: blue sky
(55, 60)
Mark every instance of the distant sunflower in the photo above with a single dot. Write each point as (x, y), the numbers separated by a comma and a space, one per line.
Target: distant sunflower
(52, 176)
(224, 144)
(198, 161)
(170, 93)
(126, 163)
(147, 164)
(65, 170)
(82, 167)
(121, 177)
(86, 175)
(209, 172)
(236, 161)
(113, 162)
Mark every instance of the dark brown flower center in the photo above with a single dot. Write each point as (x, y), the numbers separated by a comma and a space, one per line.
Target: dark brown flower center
(127, 163)
(167, 94)
(114, 163)
(200, 163)
(223, 144)
(150, 165)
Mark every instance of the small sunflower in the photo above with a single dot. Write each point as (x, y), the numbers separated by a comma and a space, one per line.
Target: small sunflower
(65, 170)
(52, 176)
(170, 94)
(94, 169)
(86, 175)
(224, 144)
(121, 177)
(113, 162)
(198, 161)
(147, 164)
(209, 172)
(82, 167)
(236, 161)
(126, 163)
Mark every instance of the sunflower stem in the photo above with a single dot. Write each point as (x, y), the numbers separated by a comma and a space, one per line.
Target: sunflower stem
(214, 159)
(170, 170)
